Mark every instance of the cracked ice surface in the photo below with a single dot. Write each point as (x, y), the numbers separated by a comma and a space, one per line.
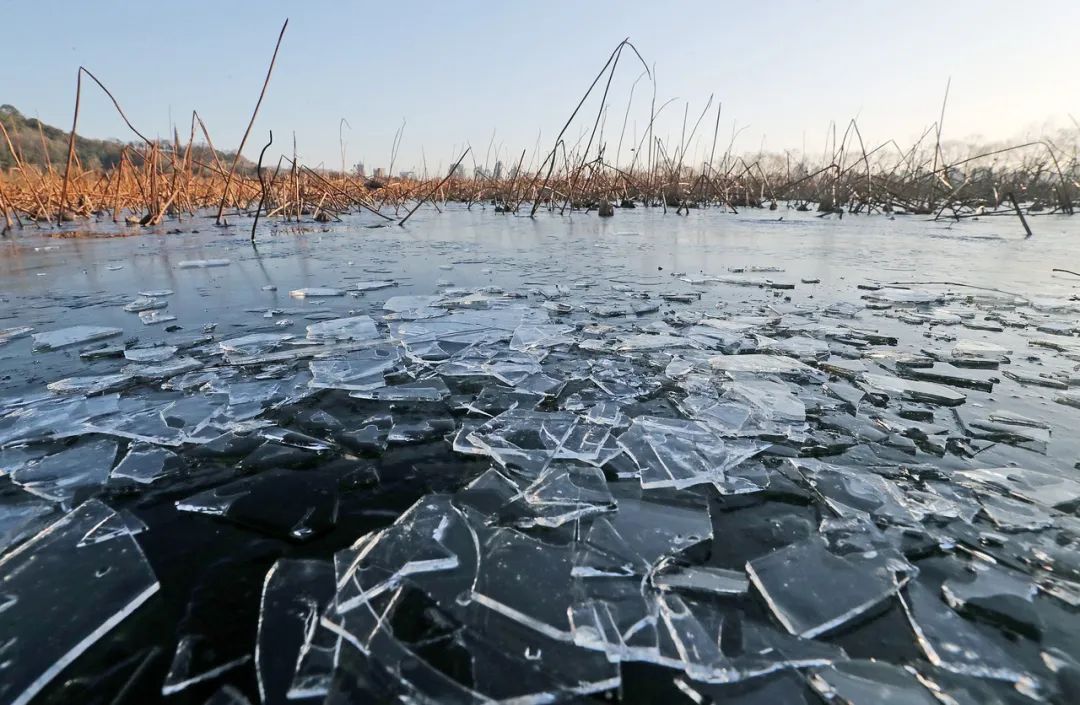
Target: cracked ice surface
(544, 487)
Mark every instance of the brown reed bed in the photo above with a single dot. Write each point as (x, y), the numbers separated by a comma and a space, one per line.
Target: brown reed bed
(183, 179)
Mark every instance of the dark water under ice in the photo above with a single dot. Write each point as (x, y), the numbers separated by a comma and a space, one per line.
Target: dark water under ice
(720, 458)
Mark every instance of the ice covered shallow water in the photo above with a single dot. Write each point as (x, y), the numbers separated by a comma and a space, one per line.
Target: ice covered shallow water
(606, 462)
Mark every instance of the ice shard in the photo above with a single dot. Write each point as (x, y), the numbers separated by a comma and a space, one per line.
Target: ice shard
(96, 586)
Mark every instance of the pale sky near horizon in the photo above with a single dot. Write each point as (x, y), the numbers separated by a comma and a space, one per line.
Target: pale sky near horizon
(458, 71)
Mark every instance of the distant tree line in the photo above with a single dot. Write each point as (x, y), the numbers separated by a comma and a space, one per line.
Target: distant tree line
(39, 144)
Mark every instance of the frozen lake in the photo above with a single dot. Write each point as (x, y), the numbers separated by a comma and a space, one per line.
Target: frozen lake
(756, 457)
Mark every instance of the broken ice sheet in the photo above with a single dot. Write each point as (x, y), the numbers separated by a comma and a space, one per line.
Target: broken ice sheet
(283, 503)
(153, 318)
(157, 353)
(812, 591)
(507, 366)
(980, 350)
(650, 524)
(361, 371)
(853, 492)
(340, 329)
(750, 405)
(22, 516)
(912, 390)
(295, 593)
(532, 337)
(505, 582)
(798, 346)
(94, 586)
(162, 370)
(413, 306)
(316, 292)
(423, 390)
(700, 579)
(374, 285)
(75, 335)
(761, 364)
(495, 399)
(565, 492)
(145, 303)
(94, 384)
(529, 440)
(228, 695)
(139, 419)
(53, 417)
(1005, 596)
(61, 476)
(145, 463)
(190, 664)
(9, 334)
(647, 341)
(870, 683)
(1012, 515)
(1031, 485)
(950, 642)
(678, 453)
(419, 431)
(255, 343)
(202, 263)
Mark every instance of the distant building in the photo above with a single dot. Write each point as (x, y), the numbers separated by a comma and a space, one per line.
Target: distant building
(380, 173)
(359, 170)
(497, 174)
(458, 172)
(407, 175)
(479, 173)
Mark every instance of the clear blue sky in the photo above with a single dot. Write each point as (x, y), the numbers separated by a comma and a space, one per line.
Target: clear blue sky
(458, 70)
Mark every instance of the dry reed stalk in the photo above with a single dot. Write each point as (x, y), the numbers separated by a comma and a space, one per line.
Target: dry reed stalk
(251, 122)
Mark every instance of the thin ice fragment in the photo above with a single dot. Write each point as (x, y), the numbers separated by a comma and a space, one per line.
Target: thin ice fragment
(341, 329)
(424, 390)
(701, 579)
(949, 642)
(361, 371)
(295, 594)
(870, 683)
(259, 502)
(94, 586)
(145, 464)
(913, 390)
(61, 476)
(75, 335)
(202, 263)
(812, 591)
(680, 454)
